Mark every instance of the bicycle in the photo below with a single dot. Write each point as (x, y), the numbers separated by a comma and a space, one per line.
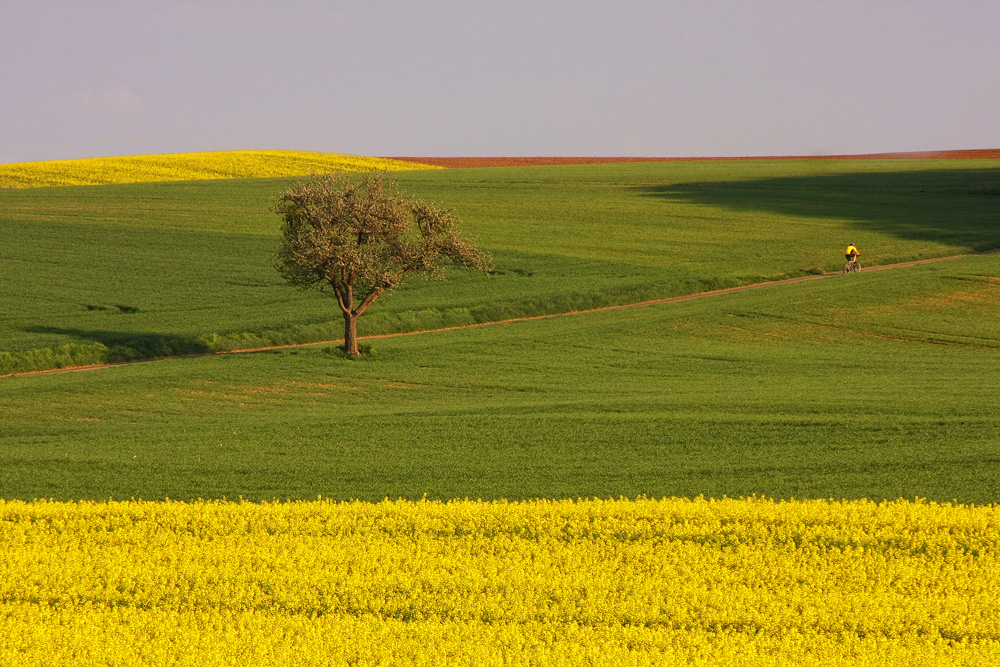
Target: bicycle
(852, 266)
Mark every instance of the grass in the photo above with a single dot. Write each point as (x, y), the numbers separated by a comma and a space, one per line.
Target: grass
(94, 274)
(876, 385)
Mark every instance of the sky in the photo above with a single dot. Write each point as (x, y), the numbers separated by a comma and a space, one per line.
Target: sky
(440, 78)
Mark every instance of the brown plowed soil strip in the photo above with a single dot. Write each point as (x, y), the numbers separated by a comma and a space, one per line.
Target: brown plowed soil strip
(473, 162)
(685, 297)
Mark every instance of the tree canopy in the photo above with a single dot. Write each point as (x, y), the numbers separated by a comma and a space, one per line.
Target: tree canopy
(358, 238)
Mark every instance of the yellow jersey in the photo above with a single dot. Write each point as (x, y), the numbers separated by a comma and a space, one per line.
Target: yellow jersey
(851, 249)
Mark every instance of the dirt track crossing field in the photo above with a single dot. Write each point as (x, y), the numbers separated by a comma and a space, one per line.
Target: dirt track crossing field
(685, 297)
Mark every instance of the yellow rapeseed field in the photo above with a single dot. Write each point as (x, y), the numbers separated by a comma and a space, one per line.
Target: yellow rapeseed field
(190, 167)
(587, 582)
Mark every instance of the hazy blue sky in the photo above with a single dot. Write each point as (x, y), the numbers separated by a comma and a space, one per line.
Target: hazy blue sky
(88, 78)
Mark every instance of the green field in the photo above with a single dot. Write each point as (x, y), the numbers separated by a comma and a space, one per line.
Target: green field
(884, 384)
(114, 272)
(781, 391)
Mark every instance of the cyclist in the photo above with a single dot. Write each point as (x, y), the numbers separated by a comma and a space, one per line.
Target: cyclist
(852, 253)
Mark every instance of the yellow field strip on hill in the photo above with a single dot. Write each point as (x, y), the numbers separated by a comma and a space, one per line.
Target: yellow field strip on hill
(638, 582)
(191, 167)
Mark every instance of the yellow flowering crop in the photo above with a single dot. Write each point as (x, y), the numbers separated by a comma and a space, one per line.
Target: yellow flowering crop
(626, 582)
(190, 167)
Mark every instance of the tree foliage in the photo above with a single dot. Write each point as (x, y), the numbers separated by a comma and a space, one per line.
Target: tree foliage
(358, 238)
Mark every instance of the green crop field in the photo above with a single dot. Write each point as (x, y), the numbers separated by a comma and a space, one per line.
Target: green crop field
(104, 273)
(877, 385)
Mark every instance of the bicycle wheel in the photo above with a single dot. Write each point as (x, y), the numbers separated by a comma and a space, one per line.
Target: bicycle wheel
(847, 267)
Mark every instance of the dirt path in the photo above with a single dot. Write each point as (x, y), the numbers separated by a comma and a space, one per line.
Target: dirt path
(685, 297)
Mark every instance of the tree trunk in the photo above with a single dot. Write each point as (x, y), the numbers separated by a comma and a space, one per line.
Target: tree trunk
(351, 335)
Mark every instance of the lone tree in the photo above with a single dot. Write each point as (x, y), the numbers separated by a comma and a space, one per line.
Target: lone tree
(359, 238)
